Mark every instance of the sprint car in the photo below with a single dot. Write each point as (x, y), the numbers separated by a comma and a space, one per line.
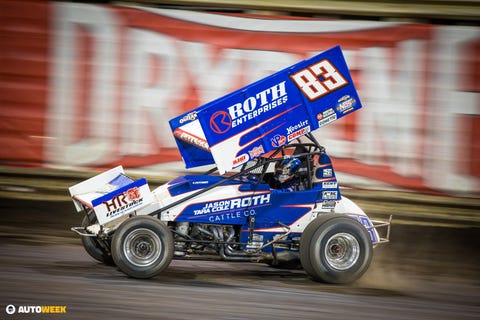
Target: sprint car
(271, 196)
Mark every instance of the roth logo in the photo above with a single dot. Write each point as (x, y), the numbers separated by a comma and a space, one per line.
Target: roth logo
(254, 106)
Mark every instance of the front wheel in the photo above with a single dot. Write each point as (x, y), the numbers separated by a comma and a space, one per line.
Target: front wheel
(335, 249)
(142, 247)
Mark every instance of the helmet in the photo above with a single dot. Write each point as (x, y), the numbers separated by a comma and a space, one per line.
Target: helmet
(285, 169)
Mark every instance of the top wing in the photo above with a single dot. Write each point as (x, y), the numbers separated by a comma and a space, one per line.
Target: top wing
(268, 113)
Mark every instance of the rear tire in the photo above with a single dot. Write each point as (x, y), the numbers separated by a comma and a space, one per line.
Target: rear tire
(142, 247)
(93, 247)
(335, 248)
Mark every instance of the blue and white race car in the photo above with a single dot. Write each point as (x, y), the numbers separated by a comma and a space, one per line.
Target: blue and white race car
(271, 197)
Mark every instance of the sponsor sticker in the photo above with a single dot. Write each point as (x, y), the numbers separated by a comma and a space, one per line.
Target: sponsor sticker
(241, 159)
(329, 204)
(190, 138)
(346, 104)
(327, 173)
(278, 140)
(256, 151)
(329, 185)
(122, 201)
(189, 117)
(327, 120)
(329, 195)
(233, 204)
(298, 130)
(256, 104)
(298, 133)
(325, 114)
(200, 182)
(220, 122)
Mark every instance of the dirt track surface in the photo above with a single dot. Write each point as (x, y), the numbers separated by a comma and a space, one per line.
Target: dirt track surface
(424, 273)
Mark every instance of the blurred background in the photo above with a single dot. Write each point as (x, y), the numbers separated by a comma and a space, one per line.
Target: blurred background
(85, 86)
(90, 85)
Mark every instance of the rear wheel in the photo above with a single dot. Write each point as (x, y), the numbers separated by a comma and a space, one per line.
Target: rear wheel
(142, 247)
(94, 248)
(335, 249)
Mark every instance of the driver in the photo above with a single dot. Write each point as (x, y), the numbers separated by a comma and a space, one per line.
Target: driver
(285, 173)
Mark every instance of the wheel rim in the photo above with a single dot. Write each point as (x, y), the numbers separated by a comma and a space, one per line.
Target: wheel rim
(142, 247)
(342, 251)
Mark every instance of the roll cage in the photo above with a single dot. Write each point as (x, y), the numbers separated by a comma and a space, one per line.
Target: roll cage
(257, 171)
(307, 152)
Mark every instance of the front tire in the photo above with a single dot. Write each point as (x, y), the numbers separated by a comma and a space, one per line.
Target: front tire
(335, 248)
(142, 247)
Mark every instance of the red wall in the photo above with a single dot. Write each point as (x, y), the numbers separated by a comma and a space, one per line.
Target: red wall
(94, 86)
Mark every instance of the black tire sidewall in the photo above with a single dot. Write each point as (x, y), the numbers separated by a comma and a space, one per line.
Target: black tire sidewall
(93, 247)
(306, 239)
(159, 229)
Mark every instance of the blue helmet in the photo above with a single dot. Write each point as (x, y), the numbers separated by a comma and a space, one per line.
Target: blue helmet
(285, 170)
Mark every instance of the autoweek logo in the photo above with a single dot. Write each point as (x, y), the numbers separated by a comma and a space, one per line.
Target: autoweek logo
(248, 109)
(11, 309)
